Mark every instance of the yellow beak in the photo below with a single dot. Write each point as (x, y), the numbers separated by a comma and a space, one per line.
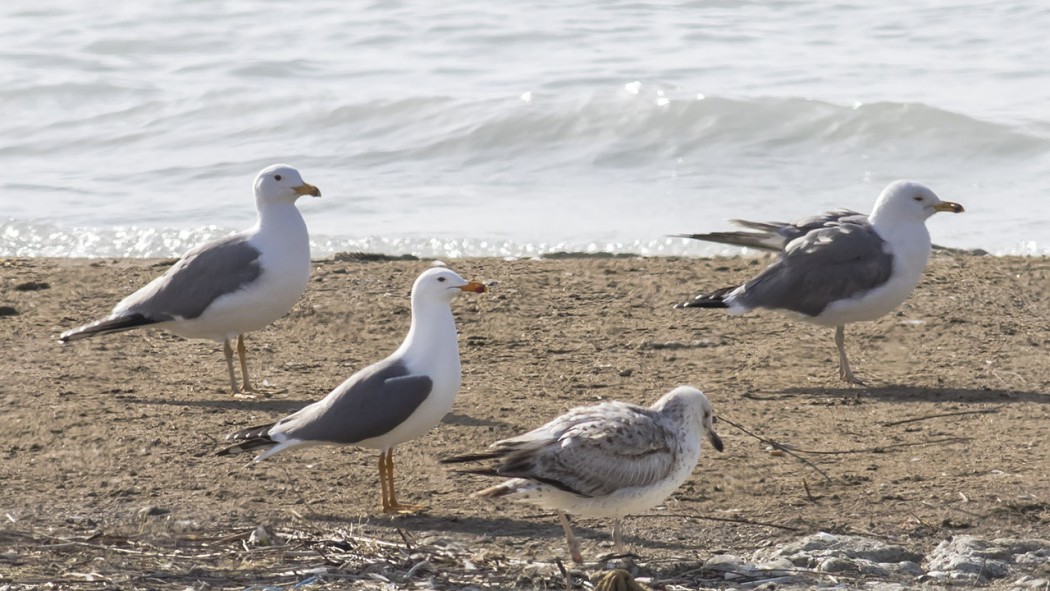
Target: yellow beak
(949, 206)
(307, 189)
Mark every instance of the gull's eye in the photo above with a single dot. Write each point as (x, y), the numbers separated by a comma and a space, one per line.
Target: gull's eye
(441, 279)
(917, 197)
(276, 177)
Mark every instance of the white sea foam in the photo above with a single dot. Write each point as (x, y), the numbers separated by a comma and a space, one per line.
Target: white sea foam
(30, 239)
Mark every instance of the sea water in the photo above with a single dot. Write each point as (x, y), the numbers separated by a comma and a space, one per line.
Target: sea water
(515, 128)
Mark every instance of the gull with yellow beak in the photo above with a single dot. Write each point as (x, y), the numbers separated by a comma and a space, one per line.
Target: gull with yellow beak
(227, 287)
(837, 267)
(389, 402)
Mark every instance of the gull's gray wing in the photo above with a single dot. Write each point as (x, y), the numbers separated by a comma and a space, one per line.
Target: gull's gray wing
(370, 403)
(775, 236)
(827, 264)
(201, 276)
(799, 228)
(593, 451)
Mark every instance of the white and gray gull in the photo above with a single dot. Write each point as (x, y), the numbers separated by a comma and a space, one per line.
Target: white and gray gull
(227, 287)
(387, 403)
(838, 267)
(607, 460)
(232, 286)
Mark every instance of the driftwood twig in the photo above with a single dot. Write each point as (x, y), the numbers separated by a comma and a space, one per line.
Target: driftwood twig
(983, 411)
(779, 446)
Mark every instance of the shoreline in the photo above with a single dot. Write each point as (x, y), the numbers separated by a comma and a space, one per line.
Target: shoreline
(373, 257)
(34, 240)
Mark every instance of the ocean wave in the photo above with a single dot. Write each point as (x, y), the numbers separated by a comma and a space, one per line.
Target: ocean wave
(632, 130)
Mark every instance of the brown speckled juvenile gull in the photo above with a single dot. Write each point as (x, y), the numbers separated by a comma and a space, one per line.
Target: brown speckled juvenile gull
(607, 460)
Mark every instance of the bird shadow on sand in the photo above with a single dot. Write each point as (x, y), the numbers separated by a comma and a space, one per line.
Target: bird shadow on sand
(462, 420)
(542, 527)
(290, 406)
(261, 405)
(894, 393)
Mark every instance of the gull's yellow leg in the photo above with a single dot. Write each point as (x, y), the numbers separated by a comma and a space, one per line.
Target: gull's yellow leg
(844, 370)
(382, 481)
(241, 352)
(228, 351)
(394, 506)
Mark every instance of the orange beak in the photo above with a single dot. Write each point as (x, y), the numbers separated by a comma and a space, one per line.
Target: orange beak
(475, 287)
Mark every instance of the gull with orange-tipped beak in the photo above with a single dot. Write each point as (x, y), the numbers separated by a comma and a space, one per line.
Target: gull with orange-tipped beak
(389, 402)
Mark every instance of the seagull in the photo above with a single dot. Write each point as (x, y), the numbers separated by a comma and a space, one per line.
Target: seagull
(390, 402)
(607, 460)
(227, 287)
(837, 267)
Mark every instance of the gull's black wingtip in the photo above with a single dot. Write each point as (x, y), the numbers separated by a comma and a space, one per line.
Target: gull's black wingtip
(106, 326)
(703, 301)
(715, 299)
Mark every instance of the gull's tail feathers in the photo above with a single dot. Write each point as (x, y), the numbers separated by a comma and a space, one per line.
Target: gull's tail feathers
(107, 326)
(478, 457)
(504, 489)
(500, 490)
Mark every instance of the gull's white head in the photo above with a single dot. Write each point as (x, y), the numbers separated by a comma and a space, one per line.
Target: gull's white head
(909, 200)
(281, 183)
(691, 404)
(442, 284)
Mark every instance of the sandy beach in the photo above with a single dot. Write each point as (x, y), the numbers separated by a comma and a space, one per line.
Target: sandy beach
(114, 438)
